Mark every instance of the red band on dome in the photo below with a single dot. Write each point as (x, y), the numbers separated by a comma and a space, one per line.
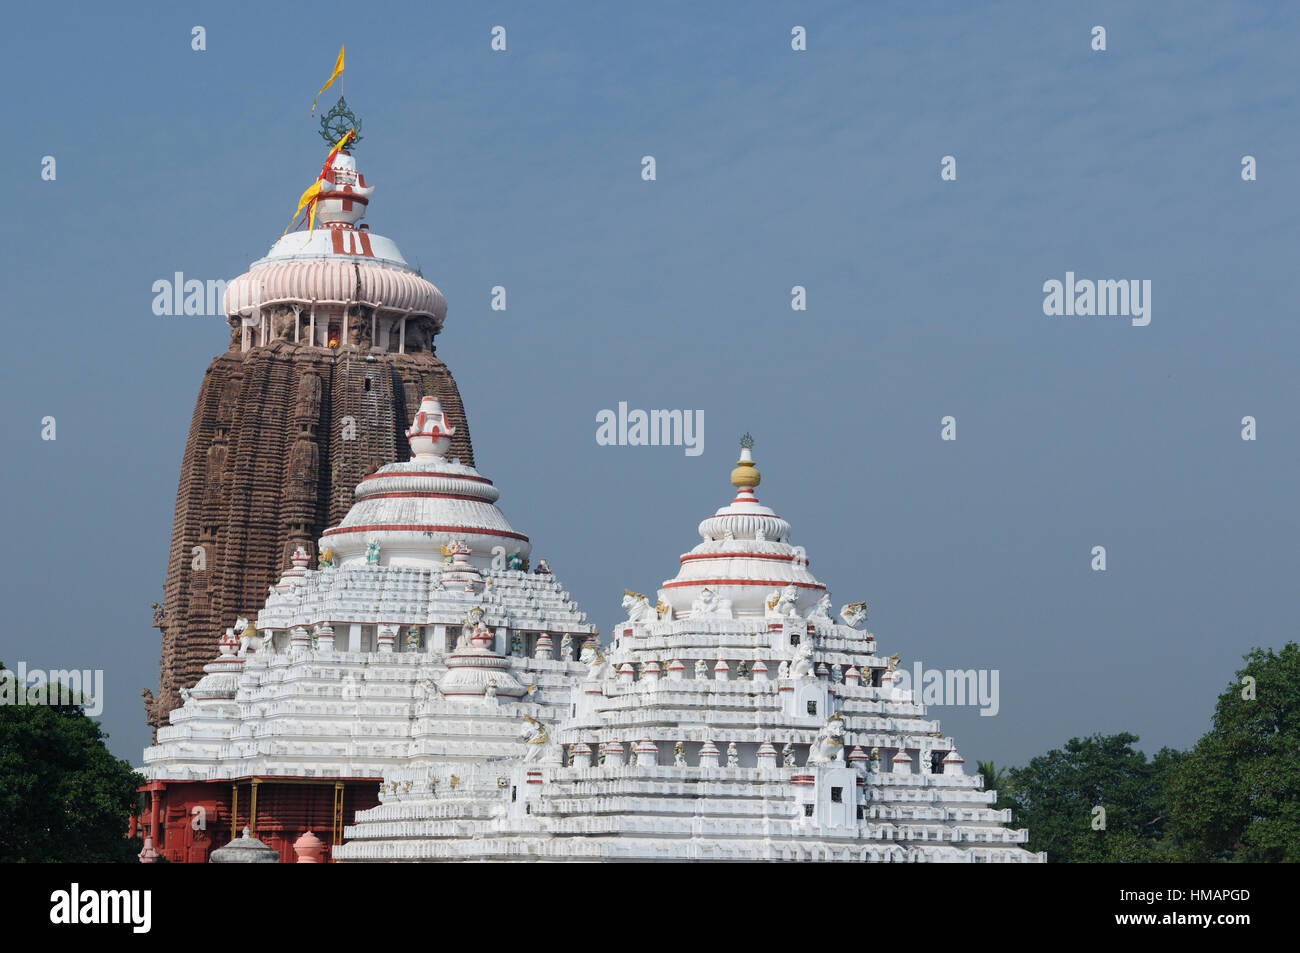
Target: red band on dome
(426, 473)
(420, 528)
(742, 582)
(736, 555)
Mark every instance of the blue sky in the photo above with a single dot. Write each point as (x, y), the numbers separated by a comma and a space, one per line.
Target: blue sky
(775, 168)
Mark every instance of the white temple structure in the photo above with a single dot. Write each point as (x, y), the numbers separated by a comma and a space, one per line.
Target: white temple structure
(734, 719)
(318, 279)
(422, 635)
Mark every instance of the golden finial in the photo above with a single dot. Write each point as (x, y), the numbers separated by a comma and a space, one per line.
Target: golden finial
(745, 474)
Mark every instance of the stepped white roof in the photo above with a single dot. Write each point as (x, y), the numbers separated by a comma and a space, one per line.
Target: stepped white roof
(421, 636)
(734, 720)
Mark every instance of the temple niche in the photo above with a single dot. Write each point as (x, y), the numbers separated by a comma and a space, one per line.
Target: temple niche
(307, 410)
(420, 333)
(284, 323)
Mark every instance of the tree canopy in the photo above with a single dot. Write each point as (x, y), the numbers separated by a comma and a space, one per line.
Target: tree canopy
(1234, 797)
(63, 796)
(1237, 794)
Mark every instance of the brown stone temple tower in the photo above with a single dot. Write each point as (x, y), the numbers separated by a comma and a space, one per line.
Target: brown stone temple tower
(331, 349)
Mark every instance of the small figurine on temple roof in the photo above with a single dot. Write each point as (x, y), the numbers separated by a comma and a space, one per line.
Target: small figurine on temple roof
(893, 661)
(742, 670)
(543, 568)
(516, 644)
(597, 664)
(822, 611)
(733, 756)
(249, 640)
(679, 754)
(412, 638)
(787, 755)
(372, 553)
(663, 610)
(566, 648)
(326, 559)
(802, 665)
(637, 607)
(709, 605)
(701, 670)
(536, 737)
(828, 744)
(515, 562)
(854, 614)
(781, 603)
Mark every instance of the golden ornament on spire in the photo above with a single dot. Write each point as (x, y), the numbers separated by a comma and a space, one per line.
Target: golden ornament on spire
(745, 474)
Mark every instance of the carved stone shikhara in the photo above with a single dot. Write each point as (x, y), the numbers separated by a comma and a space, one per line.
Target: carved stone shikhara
(331, 351)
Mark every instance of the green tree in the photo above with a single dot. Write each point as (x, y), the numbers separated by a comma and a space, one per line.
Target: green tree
(1057, 796)
(996, 779)
(63, 796)
(1237, 795)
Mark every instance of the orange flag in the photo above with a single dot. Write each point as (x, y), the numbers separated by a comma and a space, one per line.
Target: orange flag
(338, 71)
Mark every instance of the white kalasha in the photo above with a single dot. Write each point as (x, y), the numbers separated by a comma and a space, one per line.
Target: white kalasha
(412, 645)
(405, 508)
(742, 751)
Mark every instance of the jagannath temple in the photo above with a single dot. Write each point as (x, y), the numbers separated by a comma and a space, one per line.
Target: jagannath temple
(331, 348)
(363, 661)
(732, 720)
(341, 552)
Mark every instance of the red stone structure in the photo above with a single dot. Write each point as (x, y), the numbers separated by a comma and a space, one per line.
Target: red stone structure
(188, 820)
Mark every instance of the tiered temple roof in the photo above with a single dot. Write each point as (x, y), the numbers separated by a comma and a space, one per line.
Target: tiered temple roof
(732, 720)
(422, 634)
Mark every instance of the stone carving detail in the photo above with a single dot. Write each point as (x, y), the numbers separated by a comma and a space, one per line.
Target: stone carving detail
(802, 665)
(597, 665)
(216, 469)
(854, 614)
(781, 603)
(537, 739)
(828, 744)
(304, 465)
(821, 612)
(307, 409)
(709, 604)
(249, 641)
(637, 607)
